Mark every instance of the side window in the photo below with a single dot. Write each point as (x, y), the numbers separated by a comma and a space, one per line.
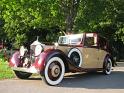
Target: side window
(63, 40)
(75, 41)
(90, 40)
(102, 43)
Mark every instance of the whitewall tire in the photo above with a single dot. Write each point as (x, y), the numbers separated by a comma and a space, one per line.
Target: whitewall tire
(107, 67)
(75, 56)
(54, 71)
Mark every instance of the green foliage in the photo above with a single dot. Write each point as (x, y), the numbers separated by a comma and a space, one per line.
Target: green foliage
(2, 54)
(22, 15)
(103, 16)
(18, 18)
(5, 71)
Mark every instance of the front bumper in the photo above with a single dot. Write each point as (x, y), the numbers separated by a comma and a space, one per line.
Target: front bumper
(28, 70)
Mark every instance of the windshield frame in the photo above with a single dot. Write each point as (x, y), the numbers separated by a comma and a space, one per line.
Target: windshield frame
(68, 39)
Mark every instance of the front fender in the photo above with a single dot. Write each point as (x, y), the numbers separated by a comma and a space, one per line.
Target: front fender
(41, 61)
(14, 60)
(46, 55)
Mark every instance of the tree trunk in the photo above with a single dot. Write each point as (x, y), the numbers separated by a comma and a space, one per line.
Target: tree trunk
(71, 14)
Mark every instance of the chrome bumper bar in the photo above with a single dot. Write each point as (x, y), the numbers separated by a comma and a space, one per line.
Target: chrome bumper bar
(29, 70)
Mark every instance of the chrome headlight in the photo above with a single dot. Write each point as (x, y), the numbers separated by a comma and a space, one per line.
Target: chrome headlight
(22, 51)
(38, 49)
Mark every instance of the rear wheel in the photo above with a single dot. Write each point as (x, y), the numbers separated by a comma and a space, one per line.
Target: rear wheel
(54, 71)
(22, 75)
(107, 67)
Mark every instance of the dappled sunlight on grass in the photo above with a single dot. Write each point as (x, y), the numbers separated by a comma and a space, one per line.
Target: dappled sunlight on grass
(5, 70)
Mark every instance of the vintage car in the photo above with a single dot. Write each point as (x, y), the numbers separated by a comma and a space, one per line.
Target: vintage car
(72, 53)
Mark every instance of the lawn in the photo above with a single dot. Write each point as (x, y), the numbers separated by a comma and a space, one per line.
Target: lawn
(5, 70)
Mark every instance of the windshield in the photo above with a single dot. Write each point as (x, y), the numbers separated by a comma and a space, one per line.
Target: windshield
(63, 40)
(71, 39)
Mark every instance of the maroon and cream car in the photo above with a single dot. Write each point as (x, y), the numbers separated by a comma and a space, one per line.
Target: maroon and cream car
(72, 53)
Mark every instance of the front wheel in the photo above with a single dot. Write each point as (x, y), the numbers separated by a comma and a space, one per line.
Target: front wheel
(22, 75)
(54, 71)
(107, 67)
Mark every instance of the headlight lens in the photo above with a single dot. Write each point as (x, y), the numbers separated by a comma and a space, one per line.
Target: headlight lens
(22, 51)
(38, 50)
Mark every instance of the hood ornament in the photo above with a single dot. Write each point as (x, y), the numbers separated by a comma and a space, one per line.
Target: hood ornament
(36, 42)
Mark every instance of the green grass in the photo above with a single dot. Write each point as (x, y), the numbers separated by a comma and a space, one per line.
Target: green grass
(5, 70)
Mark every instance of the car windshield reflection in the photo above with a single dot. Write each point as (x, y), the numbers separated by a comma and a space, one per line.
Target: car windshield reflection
(71, 39)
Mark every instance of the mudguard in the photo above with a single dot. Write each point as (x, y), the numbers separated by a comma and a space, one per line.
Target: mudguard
(113, 62)
(14, 60)
(69, 66)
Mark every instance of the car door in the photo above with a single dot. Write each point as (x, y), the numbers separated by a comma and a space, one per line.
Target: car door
(102, 43)
(90, 51)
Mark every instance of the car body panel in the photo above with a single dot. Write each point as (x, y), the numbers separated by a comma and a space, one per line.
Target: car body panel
(92, 56)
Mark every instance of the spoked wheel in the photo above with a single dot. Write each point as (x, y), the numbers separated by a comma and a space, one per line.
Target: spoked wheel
(22, 75)
(54, 71)
(75, 56)
(107, 67)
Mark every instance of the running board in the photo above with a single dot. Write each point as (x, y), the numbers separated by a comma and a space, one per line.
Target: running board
(28, 70)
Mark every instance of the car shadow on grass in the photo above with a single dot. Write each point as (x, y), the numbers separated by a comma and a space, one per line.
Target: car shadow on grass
(94, 80)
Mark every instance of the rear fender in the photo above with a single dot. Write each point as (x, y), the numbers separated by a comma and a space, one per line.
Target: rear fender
(109, 56)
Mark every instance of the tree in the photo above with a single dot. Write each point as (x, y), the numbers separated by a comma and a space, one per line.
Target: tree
(69, 9)
(22, 15)
(103, 16)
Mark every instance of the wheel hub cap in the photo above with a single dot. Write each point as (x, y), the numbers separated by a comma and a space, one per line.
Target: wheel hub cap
(55, 71)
